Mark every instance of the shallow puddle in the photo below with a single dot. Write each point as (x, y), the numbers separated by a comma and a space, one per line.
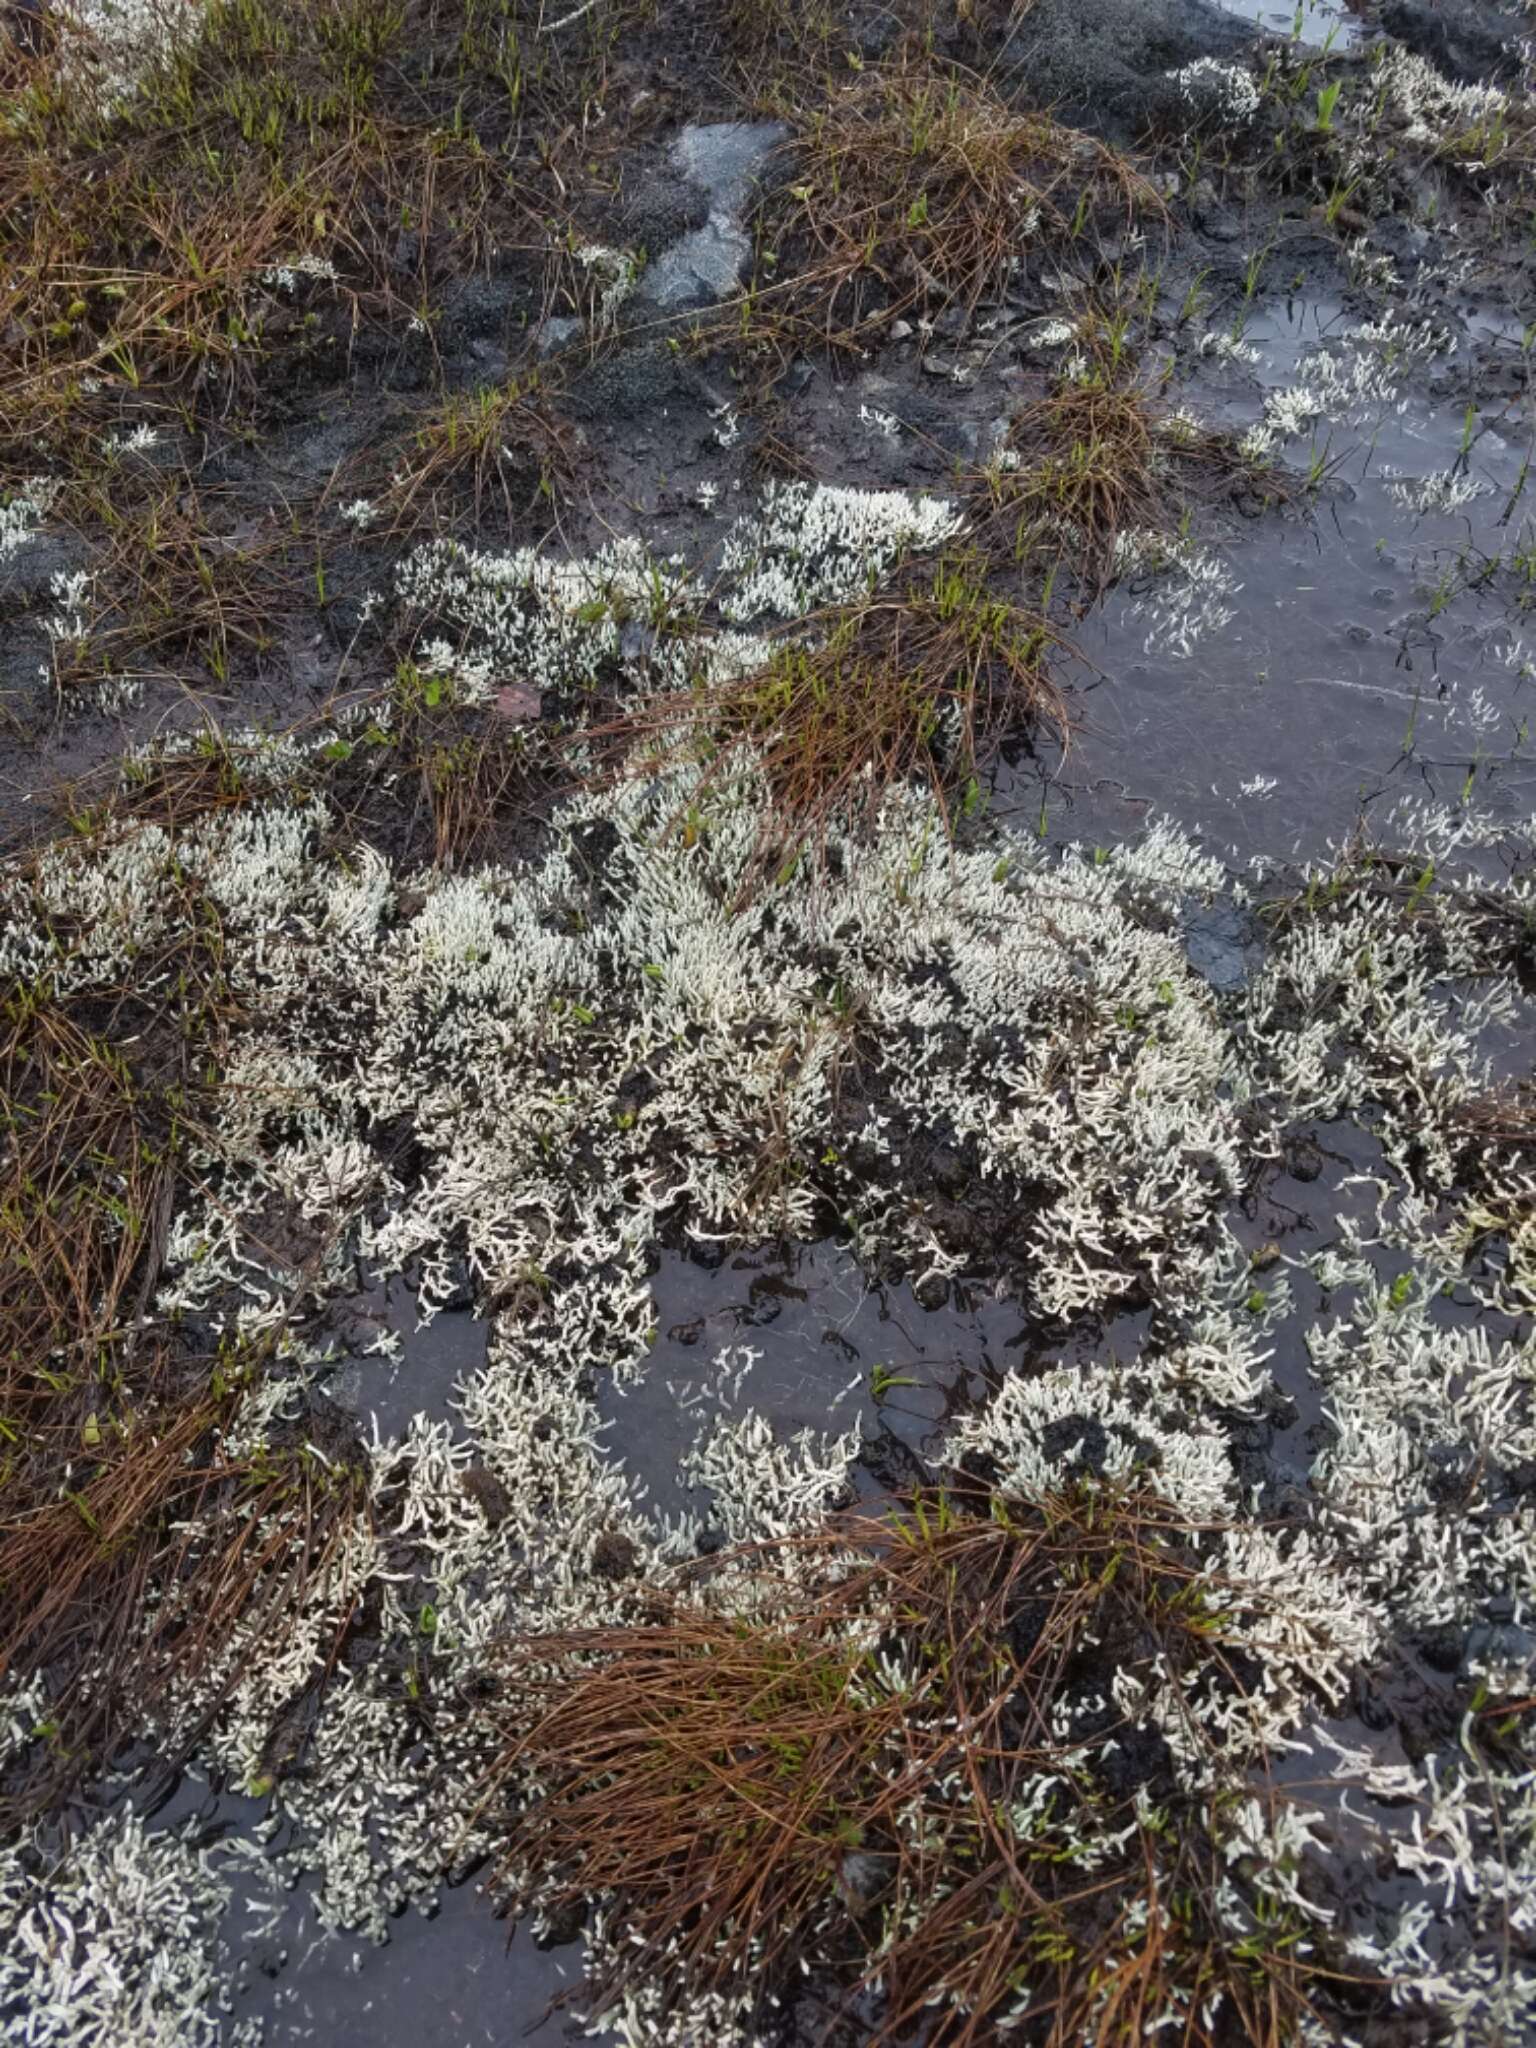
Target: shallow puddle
(799, 1334)
(1359, 666)
(1310, 21)
(451, 1979)
(399, 1365)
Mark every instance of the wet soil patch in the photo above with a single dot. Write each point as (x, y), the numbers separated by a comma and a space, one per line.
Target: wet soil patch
(831, 1352)
(1312, 663)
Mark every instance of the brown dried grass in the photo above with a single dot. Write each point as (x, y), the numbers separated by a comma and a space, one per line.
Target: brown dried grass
(376, 135)
(743, 1796)
(179, 576)
(913, 190)
(1097, 458)
(915, 684)
(131, 1543)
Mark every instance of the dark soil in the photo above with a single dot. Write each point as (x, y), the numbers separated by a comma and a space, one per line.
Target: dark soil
(1359, 634)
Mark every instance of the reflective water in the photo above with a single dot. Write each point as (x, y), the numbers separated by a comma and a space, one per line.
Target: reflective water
(1311, 21)
(424, 1361)
(451, 1980)
(830, 1351)
(1364, 661)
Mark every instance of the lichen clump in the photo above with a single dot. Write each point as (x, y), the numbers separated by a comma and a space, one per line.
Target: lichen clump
(539, 1075)
(623, 908)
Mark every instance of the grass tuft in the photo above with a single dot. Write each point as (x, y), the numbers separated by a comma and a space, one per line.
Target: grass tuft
(1100, 466)
(834, 1798)
(911, 192)
(500, 451)
(916, 683)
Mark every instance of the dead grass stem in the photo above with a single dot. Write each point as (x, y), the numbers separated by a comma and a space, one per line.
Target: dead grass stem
(499, 451)
(827, 1795)
(177, 572)
(917, 683)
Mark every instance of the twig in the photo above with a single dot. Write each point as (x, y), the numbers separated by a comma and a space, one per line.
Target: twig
(550, 28)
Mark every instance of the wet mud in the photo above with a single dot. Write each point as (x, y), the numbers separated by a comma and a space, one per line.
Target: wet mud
(1372, 641)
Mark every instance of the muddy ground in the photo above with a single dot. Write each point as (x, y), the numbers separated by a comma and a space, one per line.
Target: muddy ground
(1342, 626)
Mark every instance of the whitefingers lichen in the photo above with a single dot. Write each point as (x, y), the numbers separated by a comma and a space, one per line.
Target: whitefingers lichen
(1037, 1011)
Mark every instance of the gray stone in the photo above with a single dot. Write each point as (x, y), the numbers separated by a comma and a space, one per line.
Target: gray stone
(958, 369)
(556, 333)
(721, 160)
(704, 266)
(1501, 1643)
(1218, 941)
(726, 157)
(933, 414)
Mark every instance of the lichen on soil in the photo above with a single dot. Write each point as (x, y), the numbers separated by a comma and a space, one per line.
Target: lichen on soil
(768, 941)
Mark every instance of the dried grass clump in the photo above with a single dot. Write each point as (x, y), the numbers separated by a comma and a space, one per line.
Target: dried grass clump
(280, 179)
(1093, 473)
(126, 1572)
(474, 770)
(500, 451)
(1504, 1121)
(829, 1798)
(918, 683)
(82, 1192)
(1422, 888)
(131, 1543)
(1494, 1141)
(412, 767)
(915, 191)
(177, 575)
